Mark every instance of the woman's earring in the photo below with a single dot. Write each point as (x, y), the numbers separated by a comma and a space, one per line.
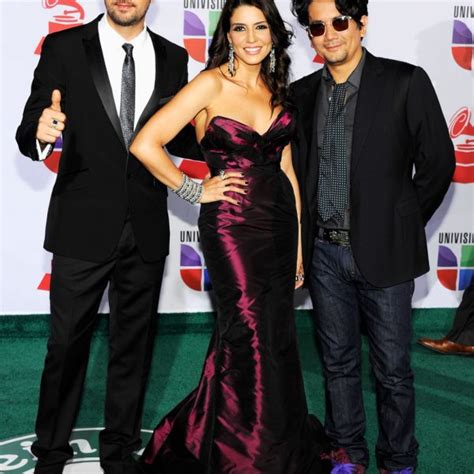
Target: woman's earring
(231, 63)
(272, 60)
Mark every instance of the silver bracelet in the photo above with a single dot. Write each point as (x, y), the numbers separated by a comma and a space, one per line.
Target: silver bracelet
(190, 190)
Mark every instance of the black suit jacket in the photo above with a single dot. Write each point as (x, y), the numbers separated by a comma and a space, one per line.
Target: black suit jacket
(398, 126)
(99, 183)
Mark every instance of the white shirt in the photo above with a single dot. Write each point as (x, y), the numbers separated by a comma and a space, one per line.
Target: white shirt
(145, 67)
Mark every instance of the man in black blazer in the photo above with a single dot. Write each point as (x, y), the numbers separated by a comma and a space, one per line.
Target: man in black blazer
(364, 123)
(107, 222)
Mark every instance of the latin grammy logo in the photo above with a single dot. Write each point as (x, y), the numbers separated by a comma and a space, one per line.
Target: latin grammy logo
(461, 131)
(461, 124)
(72, 15)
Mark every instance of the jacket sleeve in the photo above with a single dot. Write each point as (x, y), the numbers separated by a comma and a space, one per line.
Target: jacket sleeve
(48, 75)
(434, 151)
(185, 144)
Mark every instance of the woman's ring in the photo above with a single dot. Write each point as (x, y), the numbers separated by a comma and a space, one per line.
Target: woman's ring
(222, 175)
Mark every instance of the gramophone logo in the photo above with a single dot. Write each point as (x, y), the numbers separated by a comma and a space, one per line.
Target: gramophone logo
(462, 133)
(16, 456)
(463, 44)
(199, 26)
(70, 14)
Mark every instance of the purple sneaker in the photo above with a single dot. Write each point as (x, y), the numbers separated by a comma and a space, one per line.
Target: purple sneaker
(341, 463)
(347, 468)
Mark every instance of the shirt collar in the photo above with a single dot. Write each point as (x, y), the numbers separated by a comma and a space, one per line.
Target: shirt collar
(356, 74)
(113, 38)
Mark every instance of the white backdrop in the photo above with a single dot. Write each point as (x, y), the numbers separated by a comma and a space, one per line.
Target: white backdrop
(436, 35)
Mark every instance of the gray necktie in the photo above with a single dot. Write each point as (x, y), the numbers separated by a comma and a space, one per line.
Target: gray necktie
(333, 193)
(127, 97)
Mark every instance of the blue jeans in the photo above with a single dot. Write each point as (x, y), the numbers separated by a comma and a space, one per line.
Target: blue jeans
(342, 299)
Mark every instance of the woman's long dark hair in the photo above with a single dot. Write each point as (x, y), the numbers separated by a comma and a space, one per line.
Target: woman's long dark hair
(276, 82)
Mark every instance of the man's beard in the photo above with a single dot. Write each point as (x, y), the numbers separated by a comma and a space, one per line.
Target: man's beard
(124, 20)
(336, 60)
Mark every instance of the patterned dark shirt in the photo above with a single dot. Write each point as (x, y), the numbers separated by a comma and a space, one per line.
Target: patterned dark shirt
(325, 91)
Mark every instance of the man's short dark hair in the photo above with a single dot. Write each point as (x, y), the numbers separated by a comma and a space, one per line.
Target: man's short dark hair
(354, 8)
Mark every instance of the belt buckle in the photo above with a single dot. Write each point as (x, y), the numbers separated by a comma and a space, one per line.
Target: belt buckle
(339, 238)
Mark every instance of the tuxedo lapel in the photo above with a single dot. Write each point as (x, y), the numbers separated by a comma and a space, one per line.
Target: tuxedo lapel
(160, 82)
(370, 93)
(98, 71)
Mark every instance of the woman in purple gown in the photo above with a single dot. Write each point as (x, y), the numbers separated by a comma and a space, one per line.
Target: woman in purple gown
(248, 415)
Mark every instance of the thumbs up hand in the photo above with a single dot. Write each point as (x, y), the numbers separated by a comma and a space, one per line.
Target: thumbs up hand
(52, 120)
(56, 100)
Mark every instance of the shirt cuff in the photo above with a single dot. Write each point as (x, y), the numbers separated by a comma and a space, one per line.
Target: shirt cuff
(43, 154)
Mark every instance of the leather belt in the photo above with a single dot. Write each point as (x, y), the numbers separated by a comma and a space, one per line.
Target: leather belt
(334, 236)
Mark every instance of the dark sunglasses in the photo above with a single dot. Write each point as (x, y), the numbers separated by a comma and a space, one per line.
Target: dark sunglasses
(339, 23)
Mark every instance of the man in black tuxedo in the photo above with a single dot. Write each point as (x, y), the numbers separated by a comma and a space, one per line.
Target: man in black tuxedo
(107, 222)
(363, 124)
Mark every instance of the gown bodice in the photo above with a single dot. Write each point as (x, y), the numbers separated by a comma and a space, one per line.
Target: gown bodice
(230, 144)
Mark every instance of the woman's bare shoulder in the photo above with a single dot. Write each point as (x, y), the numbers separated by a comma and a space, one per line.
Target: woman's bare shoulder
(209, 80)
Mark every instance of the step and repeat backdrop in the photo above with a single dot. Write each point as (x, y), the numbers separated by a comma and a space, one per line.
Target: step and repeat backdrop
(437, 35)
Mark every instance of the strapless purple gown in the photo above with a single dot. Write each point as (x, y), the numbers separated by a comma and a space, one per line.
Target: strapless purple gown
(248, 414)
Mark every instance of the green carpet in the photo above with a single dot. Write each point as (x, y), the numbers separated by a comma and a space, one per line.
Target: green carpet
(444, 384)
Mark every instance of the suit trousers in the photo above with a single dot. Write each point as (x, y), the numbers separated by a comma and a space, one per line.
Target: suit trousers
(77, 287)
(342, 300)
